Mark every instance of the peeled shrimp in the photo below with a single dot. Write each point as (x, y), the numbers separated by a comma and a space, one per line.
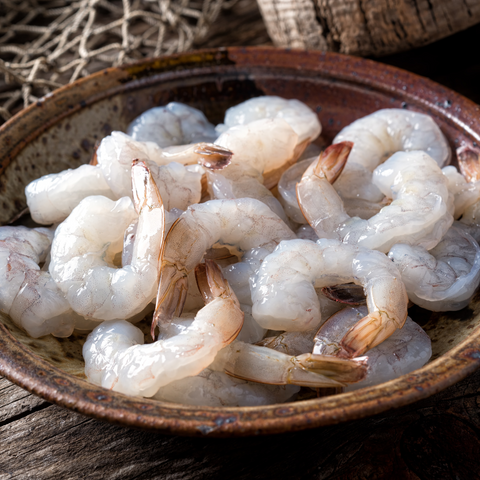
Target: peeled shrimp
(420, 213)
(217, 389)
(27, 293)
(244, 224)
(116, 152)
(444, 278)
(86, 247)
(284, 296)
(264, 365)
(299, 116)
(404, 351)
(260, 146)
(116, 358)
(376, 137)
(173, 124)
(52, 198)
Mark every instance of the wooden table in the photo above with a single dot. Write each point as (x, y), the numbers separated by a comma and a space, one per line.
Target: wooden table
(437, 438)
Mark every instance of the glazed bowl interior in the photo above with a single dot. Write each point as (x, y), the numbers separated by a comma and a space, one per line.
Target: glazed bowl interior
(60, 132)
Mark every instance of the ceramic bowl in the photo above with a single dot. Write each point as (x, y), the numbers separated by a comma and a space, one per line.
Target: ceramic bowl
(59, 132)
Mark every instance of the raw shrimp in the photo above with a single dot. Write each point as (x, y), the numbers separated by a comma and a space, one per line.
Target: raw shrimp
(116, 152)
(217, 389)
(86, 245)
(116, 358)
(257, 147)
(299, 116)
(420, 213)
(404, 351)
(444, 278)
(376, 137)
(261, 149)
(284, 296)
(27, 293)
(264, 365)
(173, 124)
(243, 223)
(51, 198)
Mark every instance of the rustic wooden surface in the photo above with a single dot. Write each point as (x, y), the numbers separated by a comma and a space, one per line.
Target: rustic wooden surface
(365, 27)
(437, 438)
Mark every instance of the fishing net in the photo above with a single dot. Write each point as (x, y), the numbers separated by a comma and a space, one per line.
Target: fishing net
(45, 44)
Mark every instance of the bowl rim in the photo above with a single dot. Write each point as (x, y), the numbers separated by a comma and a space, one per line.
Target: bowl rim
(31, 372)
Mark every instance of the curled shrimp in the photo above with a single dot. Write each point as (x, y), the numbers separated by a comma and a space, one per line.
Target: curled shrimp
(116, 152)
(115, 350)
(444, 278)
(405, 350)
(376, 137)
(27, 293)
(258, 147)
(86, 247)
(299, 116)
(172, 124)
(284, 296)
(243, 223)
(419, 214)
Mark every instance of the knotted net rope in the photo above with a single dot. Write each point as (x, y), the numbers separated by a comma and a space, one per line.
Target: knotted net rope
(45, 44)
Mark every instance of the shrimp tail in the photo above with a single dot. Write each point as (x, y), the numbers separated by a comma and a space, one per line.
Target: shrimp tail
(144, 189)
(332, 160)
(171, 296)
(369, 332)
(341, 370)
(213, 156)
(211, 282)
(469, 162)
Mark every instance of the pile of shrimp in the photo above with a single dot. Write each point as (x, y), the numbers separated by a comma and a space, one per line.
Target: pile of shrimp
(252, 295)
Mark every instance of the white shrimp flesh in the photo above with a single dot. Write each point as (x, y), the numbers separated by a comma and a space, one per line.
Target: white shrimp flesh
(444, 278)
(284, 296)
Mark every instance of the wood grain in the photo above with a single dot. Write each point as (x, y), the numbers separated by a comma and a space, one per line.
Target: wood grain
(365, 27)
(435, 438)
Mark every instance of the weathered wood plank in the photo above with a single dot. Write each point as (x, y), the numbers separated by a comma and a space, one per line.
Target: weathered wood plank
(16, 402)
(430, 439)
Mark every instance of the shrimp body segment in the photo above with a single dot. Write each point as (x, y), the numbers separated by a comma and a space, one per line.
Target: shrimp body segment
(116, 358)
(262, 149)
(51, 198)
(299, 116)
(420, 213)
(444, 278)
(241, 223)
(172, 124)
(284, 296)
(86, 245)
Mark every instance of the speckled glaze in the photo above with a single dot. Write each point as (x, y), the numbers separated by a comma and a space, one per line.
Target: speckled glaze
(59, 132)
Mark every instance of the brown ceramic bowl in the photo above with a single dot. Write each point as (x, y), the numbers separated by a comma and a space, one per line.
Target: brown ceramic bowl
(59, 132)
